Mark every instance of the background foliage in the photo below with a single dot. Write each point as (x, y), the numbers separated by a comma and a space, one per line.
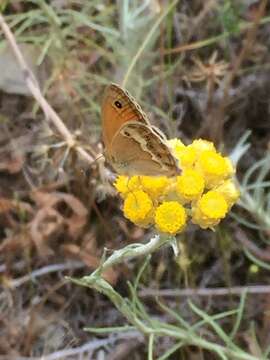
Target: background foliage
(199, 69)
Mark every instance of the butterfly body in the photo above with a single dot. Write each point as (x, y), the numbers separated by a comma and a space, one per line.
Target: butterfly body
(132, 145)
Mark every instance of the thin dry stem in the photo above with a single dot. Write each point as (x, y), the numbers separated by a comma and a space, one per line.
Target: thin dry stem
(262, 254)
(87, 348)
(15, 283)
(221, 291)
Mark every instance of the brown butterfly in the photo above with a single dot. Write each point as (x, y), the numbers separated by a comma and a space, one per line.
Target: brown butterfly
(132, 145)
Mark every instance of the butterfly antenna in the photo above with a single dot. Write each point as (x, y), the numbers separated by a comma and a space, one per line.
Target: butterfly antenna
(100, 156)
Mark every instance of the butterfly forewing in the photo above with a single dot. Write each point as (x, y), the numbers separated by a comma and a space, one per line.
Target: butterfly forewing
(133, 146)
(118, 108)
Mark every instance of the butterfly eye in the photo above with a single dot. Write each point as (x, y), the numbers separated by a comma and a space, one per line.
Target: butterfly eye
(118, 104)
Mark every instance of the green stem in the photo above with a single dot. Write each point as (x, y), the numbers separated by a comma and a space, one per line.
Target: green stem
(135, 314)
(128, 252)
(189, 338)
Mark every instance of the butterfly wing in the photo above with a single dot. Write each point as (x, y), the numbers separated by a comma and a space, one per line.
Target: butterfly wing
(138, 150)
(118, 108)
(133, 146)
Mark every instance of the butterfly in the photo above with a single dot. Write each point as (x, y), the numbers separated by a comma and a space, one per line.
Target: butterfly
(132, 145)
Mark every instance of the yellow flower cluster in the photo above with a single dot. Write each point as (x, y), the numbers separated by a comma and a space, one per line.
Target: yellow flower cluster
(203, 193)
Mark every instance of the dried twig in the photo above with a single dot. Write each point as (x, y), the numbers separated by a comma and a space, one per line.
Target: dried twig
(222, 291)
(262, 254)
(33, 86)
(89, 347)
(44, 271)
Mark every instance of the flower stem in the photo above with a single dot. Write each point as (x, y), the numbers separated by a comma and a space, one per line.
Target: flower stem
(128, 252)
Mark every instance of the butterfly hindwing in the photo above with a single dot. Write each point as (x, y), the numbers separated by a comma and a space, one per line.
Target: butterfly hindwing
(145, 152)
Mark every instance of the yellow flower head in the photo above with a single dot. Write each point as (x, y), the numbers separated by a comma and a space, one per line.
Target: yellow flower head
(190, 185)
(124, 184)
(185, 154)
(209, 210)
(229, 191)
(214, 167)
(165, 202)
(170, 217)
(230, 167)
(155, 186)
(175, 145)
(138, 208)
(202, 145)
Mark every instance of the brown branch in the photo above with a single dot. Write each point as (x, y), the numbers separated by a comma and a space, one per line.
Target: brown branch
(70, 265)
(222, 291)
(81, 351)
(259, 253)
(33, 86)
